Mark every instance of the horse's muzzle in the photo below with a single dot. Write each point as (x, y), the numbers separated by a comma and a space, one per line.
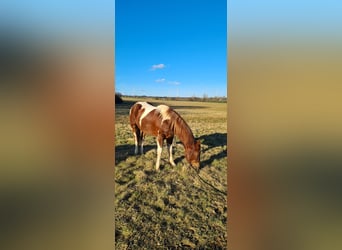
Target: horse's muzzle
(195, 164)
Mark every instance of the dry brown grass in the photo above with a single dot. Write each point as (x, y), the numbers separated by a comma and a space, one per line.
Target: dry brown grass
(172, 208)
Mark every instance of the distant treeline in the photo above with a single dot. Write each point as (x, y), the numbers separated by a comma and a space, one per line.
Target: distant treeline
(193, 98)
(118, 98)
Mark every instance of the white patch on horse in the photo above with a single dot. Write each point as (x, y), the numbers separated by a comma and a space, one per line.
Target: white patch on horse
(164, 111)
(159, 152)
(148, 108)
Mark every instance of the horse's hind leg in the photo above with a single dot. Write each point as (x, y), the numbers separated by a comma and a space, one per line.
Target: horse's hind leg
(141, 141)
(136, 134)
(174, 142)
(169, 147)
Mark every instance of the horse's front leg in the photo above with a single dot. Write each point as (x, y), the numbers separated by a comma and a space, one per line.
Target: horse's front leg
(169, 146)
(159, 150)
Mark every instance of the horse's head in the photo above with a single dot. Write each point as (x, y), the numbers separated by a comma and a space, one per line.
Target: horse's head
(192, 155)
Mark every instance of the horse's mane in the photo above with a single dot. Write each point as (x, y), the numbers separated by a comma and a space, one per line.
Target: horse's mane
(180, 128)
(179, 125)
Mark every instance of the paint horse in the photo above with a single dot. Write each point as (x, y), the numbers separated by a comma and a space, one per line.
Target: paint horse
(164, 123)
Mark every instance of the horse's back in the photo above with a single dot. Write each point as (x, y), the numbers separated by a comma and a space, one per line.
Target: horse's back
(139, 111)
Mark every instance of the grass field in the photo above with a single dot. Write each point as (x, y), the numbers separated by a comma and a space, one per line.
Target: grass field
(172, 208)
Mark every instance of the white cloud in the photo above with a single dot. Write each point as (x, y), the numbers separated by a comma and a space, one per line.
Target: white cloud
(174, 82)
(158, 66)
(160, 80)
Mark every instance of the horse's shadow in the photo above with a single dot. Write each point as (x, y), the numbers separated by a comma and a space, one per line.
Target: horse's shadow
(126, 150)
(211, 141)
(214, 140)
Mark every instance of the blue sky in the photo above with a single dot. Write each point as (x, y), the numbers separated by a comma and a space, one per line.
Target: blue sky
(171, 47)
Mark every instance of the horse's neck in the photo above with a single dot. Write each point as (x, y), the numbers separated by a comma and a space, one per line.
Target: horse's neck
(184, 133)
